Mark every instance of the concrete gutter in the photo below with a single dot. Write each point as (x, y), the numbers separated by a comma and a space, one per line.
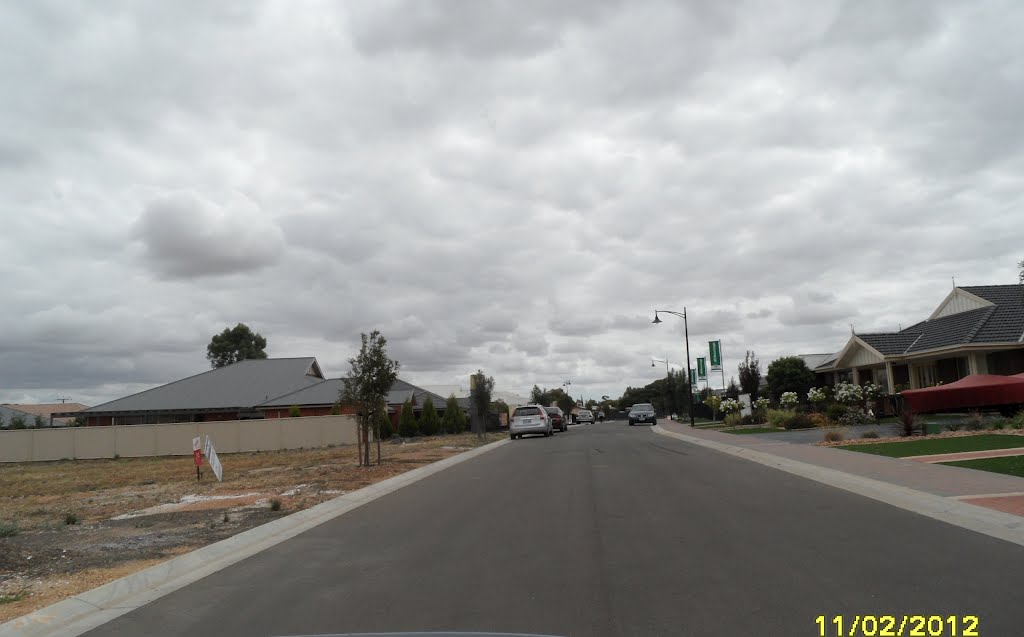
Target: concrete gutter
(85, 611)
(979, 519)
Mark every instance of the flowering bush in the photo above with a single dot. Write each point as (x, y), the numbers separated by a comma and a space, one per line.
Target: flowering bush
(817, 395)
(873, 392)
(849, 393)
(731, 406)
(789, 399)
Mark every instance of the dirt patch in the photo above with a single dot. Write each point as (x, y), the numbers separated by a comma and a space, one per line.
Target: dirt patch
(134, 513)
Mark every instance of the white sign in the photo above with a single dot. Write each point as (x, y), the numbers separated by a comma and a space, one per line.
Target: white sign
(211, 457)
(196, 444)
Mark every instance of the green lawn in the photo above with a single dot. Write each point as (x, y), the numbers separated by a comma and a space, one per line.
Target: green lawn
(1011, 465)
(753, 430)
(940, 445)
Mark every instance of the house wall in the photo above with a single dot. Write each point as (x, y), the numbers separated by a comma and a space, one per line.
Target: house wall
(128, 441)
(863, 357)
(282, 412)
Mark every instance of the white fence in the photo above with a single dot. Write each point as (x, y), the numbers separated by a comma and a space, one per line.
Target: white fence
(133, 441)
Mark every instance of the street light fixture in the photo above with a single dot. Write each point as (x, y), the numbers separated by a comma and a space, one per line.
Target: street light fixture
(686, 332)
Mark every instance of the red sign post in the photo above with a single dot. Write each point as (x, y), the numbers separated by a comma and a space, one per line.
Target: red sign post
(197, 455)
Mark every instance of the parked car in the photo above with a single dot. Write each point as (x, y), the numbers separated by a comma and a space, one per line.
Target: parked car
(643, 414)
(558, 419)
(584, 416)
(530, 419)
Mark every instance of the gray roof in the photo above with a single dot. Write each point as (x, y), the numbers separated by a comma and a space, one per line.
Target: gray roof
(1006, 323)
(241, 385)
(890, 344)
(954, 329)
(815, 360)
(326, 393)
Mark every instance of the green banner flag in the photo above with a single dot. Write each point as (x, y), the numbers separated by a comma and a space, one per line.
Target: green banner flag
(702, 369)
(715, 351)
(693, 378)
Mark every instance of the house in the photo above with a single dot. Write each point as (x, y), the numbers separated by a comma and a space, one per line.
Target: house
(975, 330)
(320, 399)
(46, 410)
(246, 390)
(9, 413)
(231, 392)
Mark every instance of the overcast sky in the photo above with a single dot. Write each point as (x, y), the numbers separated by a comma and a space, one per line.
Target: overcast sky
(512, 186)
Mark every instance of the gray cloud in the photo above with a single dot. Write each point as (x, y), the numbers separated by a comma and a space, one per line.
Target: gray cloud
(512, 186)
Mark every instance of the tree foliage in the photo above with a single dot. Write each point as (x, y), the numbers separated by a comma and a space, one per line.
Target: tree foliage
(39, 422)
(668, 395)
(18, 422)
(382, 423)
(454, 421)
(407, 427)
(556, 397)
(294, 411)
(789, 374)
(733, 390)
(235, 344)
(369, 380)
(429, 421)
(483, 389)
(750, 375)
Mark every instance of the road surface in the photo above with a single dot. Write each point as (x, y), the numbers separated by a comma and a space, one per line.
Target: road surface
(604, 530)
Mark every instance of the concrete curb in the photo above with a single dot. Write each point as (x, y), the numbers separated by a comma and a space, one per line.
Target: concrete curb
(997, 524)
(85, 611)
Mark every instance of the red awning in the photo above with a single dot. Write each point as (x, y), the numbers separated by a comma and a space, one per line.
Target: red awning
(977, 390)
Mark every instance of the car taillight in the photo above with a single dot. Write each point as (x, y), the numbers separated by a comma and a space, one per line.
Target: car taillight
(543, 417)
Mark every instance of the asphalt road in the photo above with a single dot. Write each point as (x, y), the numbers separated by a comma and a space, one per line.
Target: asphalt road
(604, 530)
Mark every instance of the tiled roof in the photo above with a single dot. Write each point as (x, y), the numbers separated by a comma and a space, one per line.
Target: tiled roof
(889, 344)
(240, 385)
(1006, 322)
(954, 329)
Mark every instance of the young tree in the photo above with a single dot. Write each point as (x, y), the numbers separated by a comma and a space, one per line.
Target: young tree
(483, 387)
(407, 427)
(429, 421)
(733, 390)
(39, 422)
(789, 374)
(537, 396)
(750, 375)
(235, 344)
(454, 421)
(366, 389)
(17, 422)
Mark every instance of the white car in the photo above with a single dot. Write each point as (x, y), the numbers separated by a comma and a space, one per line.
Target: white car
(530, 419)
(584, 416)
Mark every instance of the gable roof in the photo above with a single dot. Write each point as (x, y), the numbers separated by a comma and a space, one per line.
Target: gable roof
(240, 385)
(326, 393)
(45, 409)
(889, 344)
(814, 361)
(1006, 322)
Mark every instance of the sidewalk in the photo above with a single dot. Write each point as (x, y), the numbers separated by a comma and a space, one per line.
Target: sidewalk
(990, 490)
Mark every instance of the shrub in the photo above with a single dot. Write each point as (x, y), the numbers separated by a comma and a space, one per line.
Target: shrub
(454, 420)
(749, 419)
(789, 419)
(819, 420)
(733, 420)
(336, 409)
(869, 434)
(817, 395)
(715, 403)
(760, 409)
(39, 422)
(954, 426)
(835, 411)
(70, 518)
(849, 393)
(851, 418)
(975, 421)
(429, 421)
(833, 436)
(294, 411)
(18, 422)
(1018, 421)
(407, 421)
(275, 505)
(996, 425)
(8, 529)
(731, 406)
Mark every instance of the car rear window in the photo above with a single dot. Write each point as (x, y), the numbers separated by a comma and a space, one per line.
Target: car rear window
(526, 411)
(553, 410)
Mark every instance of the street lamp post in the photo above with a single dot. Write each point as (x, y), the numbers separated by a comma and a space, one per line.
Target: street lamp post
(686, 332)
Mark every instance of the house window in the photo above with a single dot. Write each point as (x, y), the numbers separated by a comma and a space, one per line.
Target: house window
(927, 375)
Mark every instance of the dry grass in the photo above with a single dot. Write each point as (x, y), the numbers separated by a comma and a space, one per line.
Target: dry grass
(51, 560)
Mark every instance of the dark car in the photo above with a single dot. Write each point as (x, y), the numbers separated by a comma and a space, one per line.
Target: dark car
(558, 419)
(642, 414)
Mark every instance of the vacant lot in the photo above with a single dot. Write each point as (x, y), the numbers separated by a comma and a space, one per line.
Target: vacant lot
(69, 526)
